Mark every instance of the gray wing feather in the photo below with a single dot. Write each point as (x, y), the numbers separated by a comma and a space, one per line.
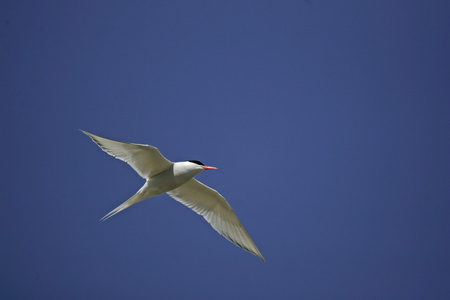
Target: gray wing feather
(215, 209)
(146, 160)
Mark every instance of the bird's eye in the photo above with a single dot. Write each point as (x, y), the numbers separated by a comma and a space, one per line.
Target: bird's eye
(196, 162)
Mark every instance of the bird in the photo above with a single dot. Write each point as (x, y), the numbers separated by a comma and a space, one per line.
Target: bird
(176, 179)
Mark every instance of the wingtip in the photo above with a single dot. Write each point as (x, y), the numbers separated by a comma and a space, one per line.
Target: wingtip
(258, 254)
(85, 132)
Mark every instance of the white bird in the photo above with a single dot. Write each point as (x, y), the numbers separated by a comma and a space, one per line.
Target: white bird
(177, 180)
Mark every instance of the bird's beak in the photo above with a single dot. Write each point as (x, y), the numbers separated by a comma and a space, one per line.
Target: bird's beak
(208, 168)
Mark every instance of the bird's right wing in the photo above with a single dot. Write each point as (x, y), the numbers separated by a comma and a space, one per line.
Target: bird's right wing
(146, 160)
(215, 209)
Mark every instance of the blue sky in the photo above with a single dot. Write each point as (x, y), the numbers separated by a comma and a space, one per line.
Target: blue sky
(329, 122)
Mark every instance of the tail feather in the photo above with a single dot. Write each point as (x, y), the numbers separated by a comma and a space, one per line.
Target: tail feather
(133, 200)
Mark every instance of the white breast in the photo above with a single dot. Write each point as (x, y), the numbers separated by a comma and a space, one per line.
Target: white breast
(175, 176)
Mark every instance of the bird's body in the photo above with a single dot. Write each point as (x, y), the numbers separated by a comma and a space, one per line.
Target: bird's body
(174, 176)
(177, 180)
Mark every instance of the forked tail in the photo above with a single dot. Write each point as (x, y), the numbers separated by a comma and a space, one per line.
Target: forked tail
(133, 200)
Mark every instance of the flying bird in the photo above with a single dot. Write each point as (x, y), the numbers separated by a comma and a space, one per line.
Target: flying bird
(177, 180)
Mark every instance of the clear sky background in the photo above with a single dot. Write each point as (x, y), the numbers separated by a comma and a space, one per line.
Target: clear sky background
(329, 122)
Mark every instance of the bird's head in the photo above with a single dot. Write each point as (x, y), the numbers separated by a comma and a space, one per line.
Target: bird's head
(199, 164)
(190, 168)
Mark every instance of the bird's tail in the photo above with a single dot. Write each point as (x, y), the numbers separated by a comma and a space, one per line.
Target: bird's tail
(133, 200)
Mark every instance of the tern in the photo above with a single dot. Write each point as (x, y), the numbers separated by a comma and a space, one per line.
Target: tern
(177, 180)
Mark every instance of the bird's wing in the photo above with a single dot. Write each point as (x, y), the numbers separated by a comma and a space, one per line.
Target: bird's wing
(144, 159)
(215, 209)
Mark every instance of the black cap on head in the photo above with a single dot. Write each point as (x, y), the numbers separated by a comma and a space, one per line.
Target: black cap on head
(196, 162)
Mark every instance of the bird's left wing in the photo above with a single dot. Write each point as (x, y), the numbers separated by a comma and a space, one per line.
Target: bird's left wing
(215, 209)
(146, 160)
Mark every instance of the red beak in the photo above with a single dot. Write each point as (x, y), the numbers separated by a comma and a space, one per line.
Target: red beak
(209, 168)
